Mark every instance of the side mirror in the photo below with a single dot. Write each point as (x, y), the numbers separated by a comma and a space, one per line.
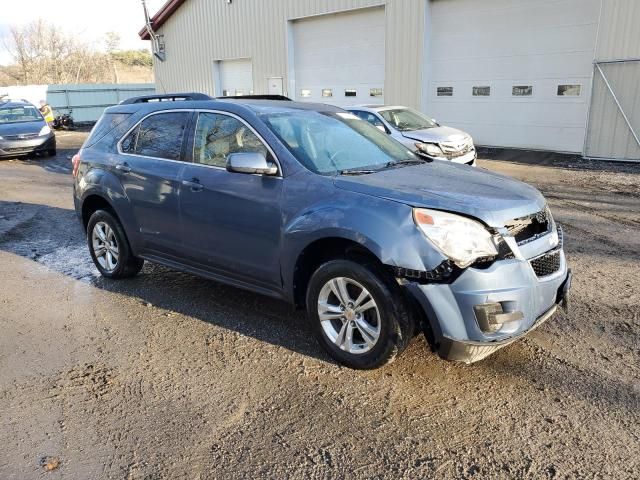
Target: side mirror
(435, 121)
(250, 162)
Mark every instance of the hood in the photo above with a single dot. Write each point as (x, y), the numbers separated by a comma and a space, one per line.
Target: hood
(436, 135)
(21, 128)
(493, 198)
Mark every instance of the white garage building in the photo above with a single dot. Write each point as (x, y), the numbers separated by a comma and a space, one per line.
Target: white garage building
(558, 75)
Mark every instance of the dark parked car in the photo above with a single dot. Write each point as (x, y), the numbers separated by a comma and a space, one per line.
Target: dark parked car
(23, 130)
(309, 204)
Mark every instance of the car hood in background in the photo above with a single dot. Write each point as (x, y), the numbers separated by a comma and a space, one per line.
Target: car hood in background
(21, 128)
(493, 198)
(436, 135)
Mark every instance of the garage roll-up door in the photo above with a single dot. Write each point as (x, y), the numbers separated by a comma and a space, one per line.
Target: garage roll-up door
(234, 77)
(513, 73)
(339, 58)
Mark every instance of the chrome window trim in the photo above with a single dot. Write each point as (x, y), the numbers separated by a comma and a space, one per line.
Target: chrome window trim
(186, 162)
(119, 144)
(255, 132)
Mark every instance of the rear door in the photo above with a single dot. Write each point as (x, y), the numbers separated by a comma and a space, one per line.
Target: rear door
(150, 167)
(231, 221)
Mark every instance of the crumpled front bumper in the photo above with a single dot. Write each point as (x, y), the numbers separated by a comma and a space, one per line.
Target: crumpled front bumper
(455, 330)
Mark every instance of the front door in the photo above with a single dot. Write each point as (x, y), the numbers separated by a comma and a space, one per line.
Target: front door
(150, 171)
(231, 221)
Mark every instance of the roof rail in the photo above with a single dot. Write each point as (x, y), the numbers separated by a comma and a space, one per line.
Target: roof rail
(168, 97)
(256, 97)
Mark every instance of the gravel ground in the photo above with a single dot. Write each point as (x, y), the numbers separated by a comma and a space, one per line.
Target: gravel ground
(172, 376)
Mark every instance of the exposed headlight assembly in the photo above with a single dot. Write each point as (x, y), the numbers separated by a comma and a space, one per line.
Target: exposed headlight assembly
(461, 239)
(46, 130)
(430, 149)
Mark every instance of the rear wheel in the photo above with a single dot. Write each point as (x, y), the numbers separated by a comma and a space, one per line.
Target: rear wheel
(357, 314)
(109, 247)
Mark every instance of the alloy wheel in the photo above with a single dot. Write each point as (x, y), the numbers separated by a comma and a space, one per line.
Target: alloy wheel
(349, 315)
(105, 246)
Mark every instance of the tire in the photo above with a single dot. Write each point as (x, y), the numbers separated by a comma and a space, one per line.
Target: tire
(52, 152)
(103, 225)
(388, 324)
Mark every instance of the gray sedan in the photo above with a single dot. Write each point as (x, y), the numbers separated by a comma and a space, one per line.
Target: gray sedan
(420, 133)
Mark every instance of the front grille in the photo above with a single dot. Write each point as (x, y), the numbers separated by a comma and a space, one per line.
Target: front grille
(526, 229)
(25, 136)
(457, 149)
(546, 264)
(18, 150)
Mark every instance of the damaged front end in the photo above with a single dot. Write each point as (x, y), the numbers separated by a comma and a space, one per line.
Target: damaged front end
(471, 311)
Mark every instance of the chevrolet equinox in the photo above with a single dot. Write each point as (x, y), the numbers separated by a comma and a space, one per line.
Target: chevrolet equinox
(310, 204)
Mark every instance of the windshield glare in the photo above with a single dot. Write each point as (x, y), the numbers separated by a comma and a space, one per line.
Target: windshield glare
(332, 142)
(405, 119)
(19, 114)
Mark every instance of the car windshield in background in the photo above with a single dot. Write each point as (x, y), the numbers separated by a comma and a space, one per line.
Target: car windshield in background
(19, 114)
(405, 119)
(335, 142)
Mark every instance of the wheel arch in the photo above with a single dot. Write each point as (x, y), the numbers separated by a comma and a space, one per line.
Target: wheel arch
(319, 251)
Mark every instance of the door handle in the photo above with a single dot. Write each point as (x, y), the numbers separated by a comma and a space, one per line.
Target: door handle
(194, 184)
(123, 167)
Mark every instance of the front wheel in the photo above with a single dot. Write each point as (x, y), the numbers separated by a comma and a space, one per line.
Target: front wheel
(109, 247)
(357, 314)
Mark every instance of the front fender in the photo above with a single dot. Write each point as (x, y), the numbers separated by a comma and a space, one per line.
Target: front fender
(386, 228)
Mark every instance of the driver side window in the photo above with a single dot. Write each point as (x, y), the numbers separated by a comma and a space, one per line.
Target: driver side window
(217, 136)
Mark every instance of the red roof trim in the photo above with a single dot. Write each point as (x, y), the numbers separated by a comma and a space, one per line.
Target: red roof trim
(161, 17)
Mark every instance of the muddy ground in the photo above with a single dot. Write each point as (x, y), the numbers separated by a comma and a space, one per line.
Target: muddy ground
(171, 376)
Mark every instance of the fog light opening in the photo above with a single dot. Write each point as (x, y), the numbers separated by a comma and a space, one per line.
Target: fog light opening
(491, 316)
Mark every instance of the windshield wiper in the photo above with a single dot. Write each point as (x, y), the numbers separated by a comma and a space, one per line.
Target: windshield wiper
(357, 172)
(409, 161)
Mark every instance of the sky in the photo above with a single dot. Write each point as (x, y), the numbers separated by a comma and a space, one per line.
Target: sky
(87, 19)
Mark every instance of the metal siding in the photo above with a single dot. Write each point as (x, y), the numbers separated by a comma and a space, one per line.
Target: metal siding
(618, 38)
(202, 31)
(502, 43)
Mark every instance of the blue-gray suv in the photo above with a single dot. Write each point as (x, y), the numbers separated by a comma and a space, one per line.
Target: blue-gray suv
(310, 204)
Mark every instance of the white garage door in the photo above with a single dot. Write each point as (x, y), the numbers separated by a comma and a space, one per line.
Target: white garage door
(339, 58)
(496, 45)
(234, 77)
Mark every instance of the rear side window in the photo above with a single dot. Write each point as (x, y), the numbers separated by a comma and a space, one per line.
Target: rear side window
(158, 136)
(107, 122)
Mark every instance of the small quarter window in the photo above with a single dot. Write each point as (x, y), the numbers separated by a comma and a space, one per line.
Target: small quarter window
(305, 93)
(481, 91)
(569, 90)
(444, 91)
(350, 92)
(375, 92)
(522, 90)
(327, 92)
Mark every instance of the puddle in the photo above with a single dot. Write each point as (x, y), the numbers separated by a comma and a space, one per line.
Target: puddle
(73, 261)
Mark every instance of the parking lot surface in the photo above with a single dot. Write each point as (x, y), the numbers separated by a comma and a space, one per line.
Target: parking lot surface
(171, 376)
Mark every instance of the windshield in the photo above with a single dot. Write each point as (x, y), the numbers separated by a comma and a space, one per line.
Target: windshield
(19, 114)
(405, 119)
(335, 142)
